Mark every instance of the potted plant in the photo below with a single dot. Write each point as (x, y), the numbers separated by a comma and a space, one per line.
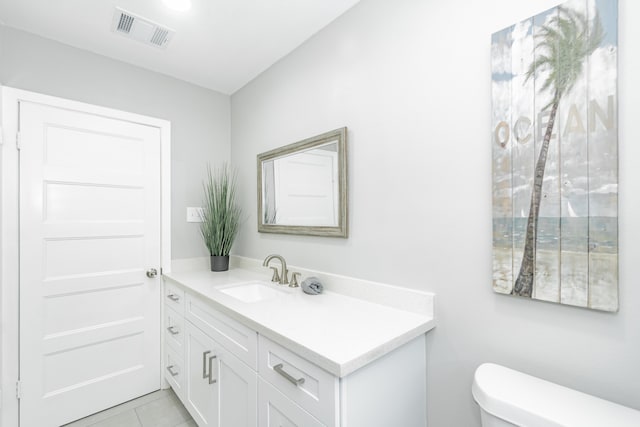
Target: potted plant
(220, 215)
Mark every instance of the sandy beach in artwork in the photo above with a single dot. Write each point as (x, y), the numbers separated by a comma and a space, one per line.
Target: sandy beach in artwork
(566, 277)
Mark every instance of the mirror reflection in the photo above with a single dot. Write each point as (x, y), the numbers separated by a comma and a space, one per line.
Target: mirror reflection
(302, 187)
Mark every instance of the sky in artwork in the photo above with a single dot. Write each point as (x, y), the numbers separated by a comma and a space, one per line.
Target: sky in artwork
(583, 116)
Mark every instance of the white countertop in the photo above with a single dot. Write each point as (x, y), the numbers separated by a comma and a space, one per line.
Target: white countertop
(337, 332)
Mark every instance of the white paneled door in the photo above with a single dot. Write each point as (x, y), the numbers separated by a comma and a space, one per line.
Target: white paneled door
(306, 188)
(89, 234)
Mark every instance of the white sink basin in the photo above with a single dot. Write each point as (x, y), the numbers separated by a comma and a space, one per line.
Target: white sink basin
(252, 292)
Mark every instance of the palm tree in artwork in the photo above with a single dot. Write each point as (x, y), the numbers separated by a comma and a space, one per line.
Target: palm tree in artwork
(564, 42)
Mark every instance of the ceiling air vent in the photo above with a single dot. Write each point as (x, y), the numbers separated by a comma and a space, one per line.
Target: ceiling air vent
(141, 29)
(124, 23)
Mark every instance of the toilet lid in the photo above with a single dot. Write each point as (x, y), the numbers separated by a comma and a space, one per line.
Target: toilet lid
(528, 401)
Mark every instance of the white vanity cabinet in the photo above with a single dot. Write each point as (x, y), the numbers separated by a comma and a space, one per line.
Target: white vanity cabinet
(229, 375)
(214, 384)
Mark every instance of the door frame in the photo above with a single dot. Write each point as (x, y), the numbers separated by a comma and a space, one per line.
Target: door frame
(9, 224)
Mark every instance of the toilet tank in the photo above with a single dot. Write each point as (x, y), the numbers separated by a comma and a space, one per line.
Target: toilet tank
(507, 397)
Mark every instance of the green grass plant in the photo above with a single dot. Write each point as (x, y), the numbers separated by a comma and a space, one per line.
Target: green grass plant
(221, 212)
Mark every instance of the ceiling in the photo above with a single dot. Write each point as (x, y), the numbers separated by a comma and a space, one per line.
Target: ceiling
(218, 44)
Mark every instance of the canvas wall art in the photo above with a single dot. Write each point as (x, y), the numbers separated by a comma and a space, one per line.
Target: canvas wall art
(555, 156)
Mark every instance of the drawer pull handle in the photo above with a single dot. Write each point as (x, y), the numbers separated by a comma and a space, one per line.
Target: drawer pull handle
(170, 369)
(211, 380)
(204, 364)
(172, 330)
(295, 381)
(173, 297)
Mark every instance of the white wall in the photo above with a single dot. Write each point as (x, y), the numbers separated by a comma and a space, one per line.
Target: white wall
(199, 117)
(411, 80)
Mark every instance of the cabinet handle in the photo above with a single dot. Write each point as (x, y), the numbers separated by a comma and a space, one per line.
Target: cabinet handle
(170, 369)
(211, 380)
(204, 364)
(295, 381)
(173, 330)
(173, 297)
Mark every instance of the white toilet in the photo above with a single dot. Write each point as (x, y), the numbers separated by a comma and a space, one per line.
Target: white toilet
(507, 398)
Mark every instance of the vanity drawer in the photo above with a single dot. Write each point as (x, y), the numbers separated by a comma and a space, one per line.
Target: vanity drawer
(174, 296)
(241, 341)
(173, 369)
(311, 387)
(276, 410)
(174, 329)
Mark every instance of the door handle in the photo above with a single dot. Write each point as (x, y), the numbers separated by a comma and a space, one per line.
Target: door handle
(295, 381)
(173, 297)
(204, 364)
(173, 330)
(170, 369)
(211, 380)
(151, 273)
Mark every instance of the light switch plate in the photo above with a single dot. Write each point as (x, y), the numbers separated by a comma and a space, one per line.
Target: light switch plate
(194, 214)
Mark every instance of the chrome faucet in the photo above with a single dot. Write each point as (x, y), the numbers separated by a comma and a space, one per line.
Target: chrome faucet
(283, 278)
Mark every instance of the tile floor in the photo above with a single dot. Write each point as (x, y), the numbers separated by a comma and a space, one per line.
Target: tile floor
(159, 409)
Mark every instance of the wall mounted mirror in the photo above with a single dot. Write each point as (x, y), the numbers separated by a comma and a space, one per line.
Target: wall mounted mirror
(302, 187)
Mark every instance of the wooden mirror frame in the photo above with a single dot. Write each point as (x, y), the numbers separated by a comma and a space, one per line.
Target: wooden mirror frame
(341, 230)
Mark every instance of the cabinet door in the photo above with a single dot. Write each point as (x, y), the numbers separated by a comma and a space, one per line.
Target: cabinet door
(238, 385)
(277, 410)
(202, 392)
(221, 390)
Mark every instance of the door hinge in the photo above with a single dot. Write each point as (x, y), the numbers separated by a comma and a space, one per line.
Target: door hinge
(18, 389)
(18, 140)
